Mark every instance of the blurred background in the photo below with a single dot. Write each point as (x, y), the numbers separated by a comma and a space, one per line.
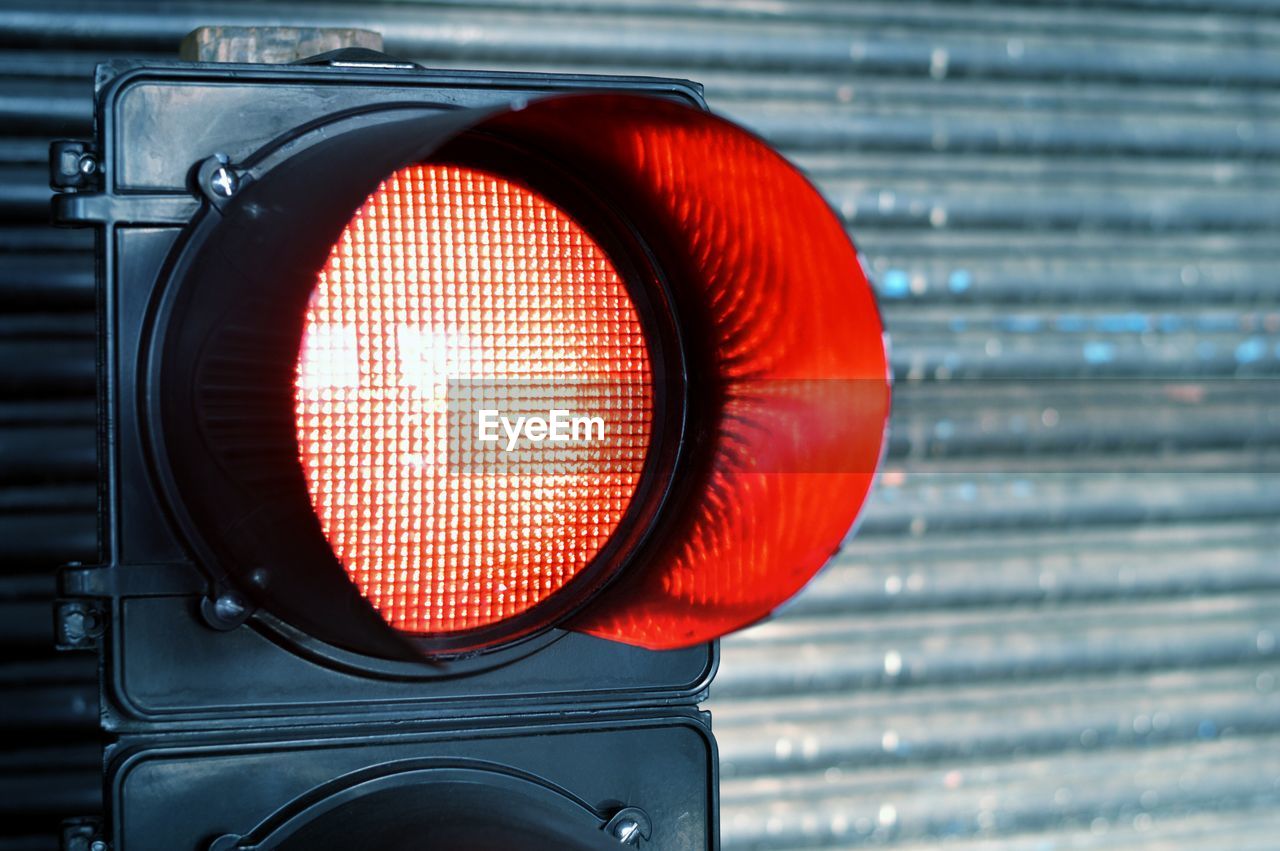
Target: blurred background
(1057, 627)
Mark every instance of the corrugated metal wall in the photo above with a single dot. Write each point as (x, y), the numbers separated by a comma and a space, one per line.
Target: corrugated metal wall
(1058, 625)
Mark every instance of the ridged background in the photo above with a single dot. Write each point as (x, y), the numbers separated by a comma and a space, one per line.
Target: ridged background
(1057, 627)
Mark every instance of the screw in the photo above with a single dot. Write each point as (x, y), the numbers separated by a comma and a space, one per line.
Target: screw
(224, 181)
(226, 611)
(229, 608)
(87, 165)
(98, 845)
(627, 831)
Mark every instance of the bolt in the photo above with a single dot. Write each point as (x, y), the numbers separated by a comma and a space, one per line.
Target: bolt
(73, 625)
(79, 623)
(627, 831)
(224, 181)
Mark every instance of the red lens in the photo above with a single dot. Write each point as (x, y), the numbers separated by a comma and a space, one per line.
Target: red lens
(453, 292)
(788, 379)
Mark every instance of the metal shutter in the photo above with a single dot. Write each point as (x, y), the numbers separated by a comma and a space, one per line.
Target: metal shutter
(1058, 625)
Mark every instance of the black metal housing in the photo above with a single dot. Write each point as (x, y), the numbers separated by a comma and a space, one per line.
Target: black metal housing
(188, 665)
(544, 786)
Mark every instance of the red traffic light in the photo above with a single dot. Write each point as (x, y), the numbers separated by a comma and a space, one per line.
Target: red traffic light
(357, 377)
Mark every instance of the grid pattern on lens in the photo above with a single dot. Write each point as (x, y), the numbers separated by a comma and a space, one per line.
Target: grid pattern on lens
(450, 292)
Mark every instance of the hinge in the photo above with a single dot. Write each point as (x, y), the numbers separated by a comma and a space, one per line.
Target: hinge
(75, 175)
(83, 608)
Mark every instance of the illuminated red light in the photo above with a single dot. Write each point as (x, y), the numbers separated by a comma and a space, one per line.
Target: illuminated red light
(787, 361)
(454, 290)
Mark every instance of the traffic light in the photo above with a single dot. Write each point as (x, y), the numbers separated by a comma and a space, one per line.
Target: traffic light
(447, 420)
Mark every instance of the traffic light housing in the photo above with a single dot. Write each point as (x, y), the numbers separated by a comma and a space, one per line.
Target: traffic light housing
(328, 613)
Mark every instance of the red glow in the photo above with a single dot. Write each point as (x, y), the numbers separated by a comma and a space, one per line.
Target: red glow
(785, 336)
(453, 289)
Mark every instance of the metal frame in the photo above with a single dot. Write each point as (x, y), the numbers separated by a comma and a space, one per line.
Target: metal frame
(181, 693)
